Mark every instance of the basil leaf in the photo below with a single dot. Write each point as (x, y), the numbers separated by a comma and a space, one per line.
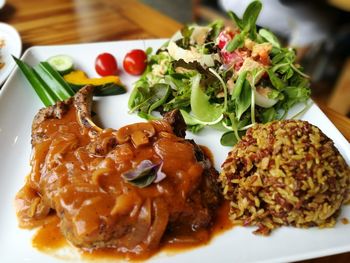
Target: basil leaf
(144, 174)
(244, 100)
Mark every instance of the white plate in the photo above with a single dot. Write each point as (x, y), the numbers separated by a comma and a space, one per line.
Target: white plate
(2, 3)
(19, 104)
(13, 46)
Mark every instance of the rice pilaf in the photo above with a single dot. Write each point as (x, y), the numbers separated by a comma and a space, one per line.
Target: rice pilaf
(285, 173)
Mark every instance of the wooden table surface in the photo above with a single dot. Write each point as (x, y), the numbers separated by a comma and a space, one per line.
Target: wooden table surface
(45, 22)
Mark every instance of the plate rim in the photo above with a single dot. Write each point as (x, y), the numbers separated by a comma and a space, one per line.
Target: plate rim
(299, 256)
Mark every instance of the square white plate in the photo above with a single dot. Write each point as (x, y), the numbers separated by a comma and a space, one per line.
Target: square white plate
(19, 104)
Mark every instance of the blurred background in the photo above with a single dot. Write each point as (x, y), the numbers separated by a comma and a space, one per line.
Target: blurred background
(318, 29)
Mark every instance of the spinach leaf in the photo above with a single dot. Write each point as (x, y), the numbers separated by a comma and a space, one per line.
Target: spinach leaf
(236, 42)
(250, 16)
(276, 81)
(228, 139)
(137, 96)
(247, 25)
(244, 100)
(267, 115)
(238, 85)
(297, 93)
(146, 99)
(270, 37)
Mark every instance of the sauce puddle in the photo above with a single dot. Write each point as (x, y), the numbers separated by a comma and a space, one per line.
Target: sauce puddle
(49, 239)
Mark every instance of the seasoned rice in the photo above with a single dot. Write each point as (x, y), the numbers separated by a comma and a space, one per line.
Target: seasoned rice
(285, 173)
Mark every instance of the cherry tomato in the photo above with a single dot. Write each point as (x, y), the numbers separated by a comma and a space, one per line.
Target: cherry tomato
(135, 62)
(106, 65)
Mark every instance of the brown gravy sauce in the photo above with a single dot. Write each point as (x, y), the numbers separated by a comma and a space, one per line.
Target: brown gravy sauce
(49, 238)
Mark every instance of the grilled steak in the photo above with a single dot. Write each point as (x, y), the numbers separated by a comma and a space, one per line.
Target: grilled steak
(78, 172)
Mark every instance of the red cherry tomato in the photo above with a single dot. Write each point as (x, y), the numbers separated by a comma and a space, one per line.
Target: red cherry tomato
(106, 65)
(135, 62)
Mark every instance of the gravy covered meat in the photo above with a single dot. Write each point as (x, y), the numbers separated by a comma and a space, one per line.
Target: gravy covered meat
(127, 189)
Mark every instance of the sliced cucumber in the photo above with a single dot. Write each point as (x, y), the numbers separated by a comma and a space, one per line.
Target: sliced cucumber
(61, 63)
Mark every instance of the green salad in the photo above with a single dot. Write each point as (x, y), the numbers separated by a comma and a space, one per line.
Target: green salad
(225, 78)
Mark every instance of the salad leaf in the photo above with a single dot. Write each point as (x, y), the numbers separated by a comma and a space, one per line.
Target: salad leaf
(186, 32)
(243, 101)
(268, 115)
(247, 25)
(216, 28)
(202, 109)
(239, 85)
(250, 16)
(237, 42)
(239, 22)
(147, 99)
(270, 37)
(230, 139)
(160, 93)
(275, 81)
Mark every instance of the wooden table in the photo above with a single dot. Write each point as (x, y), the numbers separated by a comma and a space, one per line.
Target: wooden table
(45, 22)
